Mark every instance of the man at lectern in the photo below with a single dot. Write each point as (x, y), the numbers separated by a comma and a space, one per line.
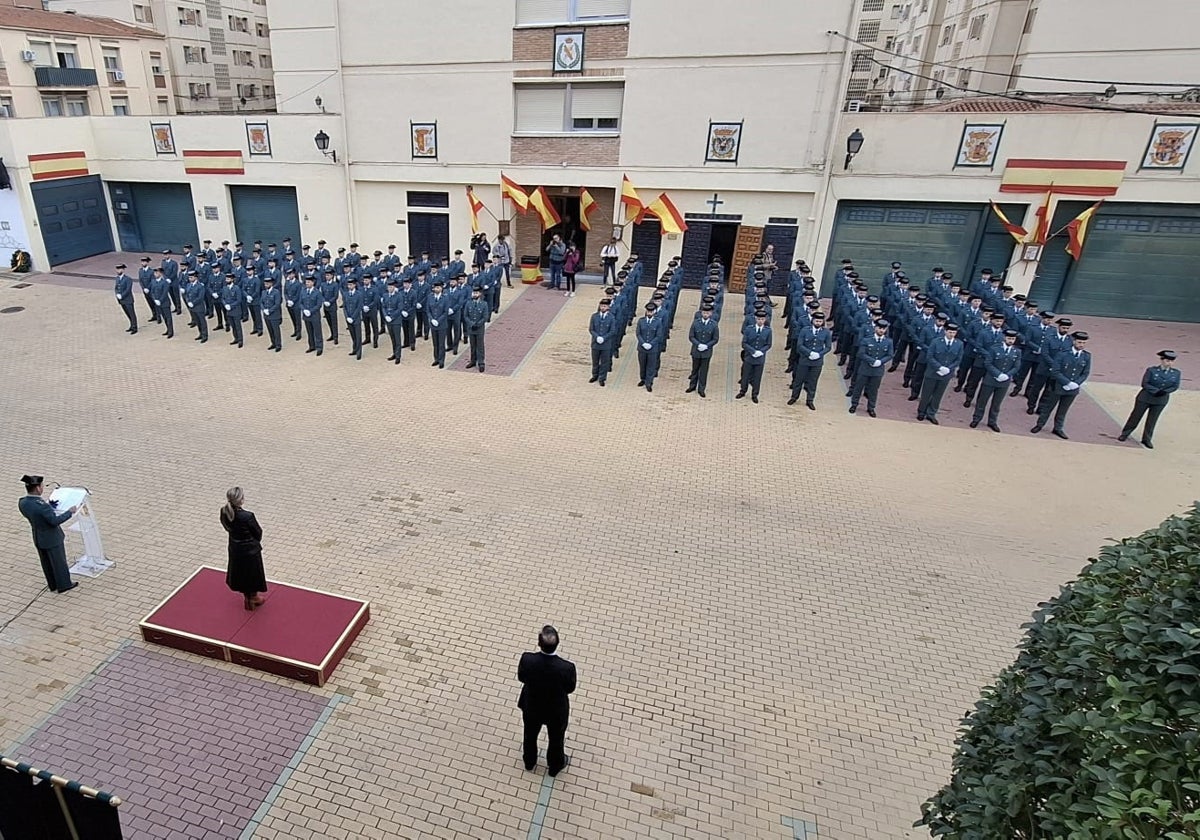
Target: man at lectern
(48, 535)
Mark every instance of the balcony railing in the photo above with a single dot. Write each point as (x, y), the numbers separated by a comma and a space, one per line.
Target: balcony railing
(67, 77)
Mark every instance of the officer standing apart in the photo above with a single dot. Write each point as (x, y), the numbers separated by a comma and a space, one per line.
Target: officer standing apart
(48, 536)
(756, 341)
(650, 346)
(546, 681)
(1069, 371)
(703, 335)
(475, 316)
(873, 355)
(123, 288)
(1158, 383)
(602, 327)
(1002, 366)
(813, 344)
(271, 303)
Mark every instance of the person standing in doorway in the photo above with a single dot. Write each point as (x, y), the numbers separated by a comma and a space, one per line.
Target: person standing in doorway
(547, 681)
(48, 537)
(502, 253)
(245, 572)
(571, 266)
(557, 250)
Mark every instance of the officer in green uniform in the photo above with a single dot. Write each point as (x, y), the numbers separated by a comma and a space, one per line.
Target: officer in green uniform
(1158, 383)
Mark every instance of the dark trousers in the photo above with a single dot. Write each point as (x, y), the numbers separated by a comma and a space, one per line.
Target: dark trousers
(236, 326)
(174, 291)
(439, 334)
(127, 308)
(219, 309)
(1060, 404)
(164, 313)
(395, 333)
(751, 377)
(973, 380)
(868, 385)
(932, 389)
(904, 350)
(995, 393)
(914, 368)
(556, 730)
(331, 321)
(273, 332)
(370, 328)
(210, 305)
(422, 323)
(256, 316)
(316, 336)
(804, 377)
(1140, 408)
(968, 362)
(201, 326)
(355, 330)
(508, 273)
(150, 305)
(294, 313)
(601, 361)
(1039, 381)
(454, 332)
(1023, 371)
(916, 379)
(54, 567)
(475, 339)
(496, 287)
(699, 374)
(408, 325)
(647, 364)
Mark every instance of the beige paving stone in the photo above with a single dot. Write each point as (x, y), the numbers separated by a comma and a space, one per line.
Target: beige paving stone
(774, 613)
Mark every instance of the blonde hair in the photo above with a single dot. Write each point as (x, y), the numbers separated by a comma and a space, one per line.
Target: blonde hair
(233, 502)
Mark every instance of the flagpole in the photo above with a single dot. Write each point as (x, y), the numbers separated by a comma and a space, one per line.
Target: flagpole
(471, 192)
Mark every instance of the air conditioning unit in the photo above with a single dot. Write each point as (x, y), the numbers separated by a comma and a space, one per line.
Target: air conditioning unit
(854, 106)
(118, 75)
(28, 56)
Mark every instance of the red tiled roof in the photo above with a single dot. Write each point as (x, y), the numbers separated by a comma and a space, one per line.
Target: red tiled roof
(40, 21)
(1000, 105)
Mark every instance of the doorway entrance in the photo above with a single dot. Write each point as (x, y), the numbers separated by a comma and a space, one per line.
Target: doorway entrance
(568, 210)
(724, 235)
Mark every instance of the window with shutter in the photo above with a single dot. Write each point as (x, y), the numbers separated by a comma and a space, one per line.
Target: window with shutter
(539, 108)
(542, 11)
(600, 9)
(596, 107)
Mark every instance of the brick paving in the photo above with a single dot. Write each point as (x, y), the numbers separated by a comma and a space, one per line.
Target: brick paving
(513, 333)
(191, 750)
(778, 616)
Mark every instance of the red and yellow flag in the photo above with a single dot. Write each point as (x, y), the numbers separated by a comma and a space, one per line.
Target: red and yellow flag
(1064, 177)
(1042, 231)
(544, 207)
(587, 206)
(58, 165)
(512, 190)
(629, 197)
(1077, 229)
(476, 206)
(1015, 231)
(666, 212)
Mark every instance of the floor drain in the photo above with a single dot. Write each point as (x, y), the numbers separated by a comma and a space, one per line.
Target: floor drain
(8, 310)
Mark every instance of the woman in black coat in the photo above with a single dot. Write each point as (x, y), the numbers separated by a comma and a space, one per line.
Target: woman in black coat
(245, 573)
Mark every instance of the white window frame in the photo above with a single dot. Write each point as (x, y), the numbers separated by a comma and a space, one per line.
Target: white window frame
(568, 120)
(43, 52)
(78, 103)
(118, 103)
(190, 17)
(143, 13)
(53, 103)
(6, 107)
(264, 61)
(571, 17)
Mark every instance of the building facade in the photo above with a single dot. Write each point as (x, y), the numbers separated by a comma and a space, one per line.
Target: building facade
(218, 51)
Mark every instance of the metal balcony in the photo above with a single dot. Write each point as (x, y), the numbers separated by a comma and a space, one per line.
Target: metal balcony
(65, 77)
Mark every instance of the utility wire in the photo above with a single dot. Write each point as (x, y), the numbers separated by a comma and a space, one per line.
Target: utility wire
(21, 611)
(1105, 82)
(1036, 101)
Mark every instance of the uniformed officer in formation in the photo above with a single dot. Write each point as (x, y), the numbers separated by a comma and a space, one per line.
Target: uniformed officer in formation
(650, 334)
(1069, 370)
(160, 293)
(123, 288)
(437, 313)
(145, 278)
(1158, 383)
(271, 303)
(231, 302)
(311, 302)
(352, 307)
(811, 345)
(602, 327)
(942, 353)
(756, 342)
(1001, 365)
(195, 295)
(871, 361)
(393, 323)
(475, 317)
(703, 336)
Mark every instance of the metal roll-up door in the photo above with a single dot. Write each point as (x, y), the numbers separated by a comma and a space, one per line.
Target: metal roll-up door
(73, 218)
(269, 214)
(166, 216)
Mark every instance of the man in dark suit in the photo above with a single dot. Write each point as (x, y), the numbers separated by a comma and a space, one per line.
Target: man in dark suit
(49, 540)
(546, 680)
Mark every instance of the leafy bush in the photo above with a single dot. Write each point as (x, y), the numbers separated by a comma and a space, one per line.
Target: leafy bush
(1094, 731)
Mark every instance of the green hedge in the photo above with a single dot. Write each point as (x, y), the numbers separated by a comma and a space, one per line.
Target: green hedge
(1094, 731)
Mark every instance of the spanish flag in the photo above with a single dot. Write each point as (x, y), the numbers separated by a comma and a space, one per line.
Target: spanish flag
(587, 206)
(1042, 232)
(1077, 229)
(476, 206)
(544, 207)
(629, 197)
(1015, 231)
(515, 194)
(670, 217)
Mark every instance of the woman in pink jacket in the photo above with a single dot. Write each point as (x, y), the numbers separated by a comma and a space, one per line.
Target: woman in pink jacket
(571, 265)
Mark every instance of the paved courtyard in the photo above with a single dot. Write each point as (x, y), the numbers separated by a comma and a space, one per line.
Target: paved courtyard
(778, 615)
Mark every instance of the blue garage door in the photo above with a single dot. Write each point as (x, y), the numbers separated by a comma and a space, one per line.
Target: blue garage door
(266, 214)
(74, 218)
(152, 217)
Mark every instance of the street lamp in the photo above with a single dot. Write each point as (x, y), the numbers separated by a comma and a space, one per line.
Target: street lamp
(322, 141)
(854, 144)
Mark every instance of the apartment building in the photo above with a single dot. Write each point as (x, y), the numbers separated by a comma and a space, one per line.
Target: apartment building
(218, 51)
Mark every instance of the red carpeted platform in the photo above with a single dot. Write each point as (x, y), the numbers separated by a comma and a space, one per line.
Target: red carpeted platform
(299, 633)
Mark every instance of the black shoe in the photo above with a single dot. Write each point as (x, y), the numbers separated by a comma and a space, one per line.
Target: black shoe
(133, 331)
(853, 409)
(906, 384)
(566, 764)
(168, 334)
(197, 338)
(593, 379)
(319, 352)
(311, 350)
(178, 311)
(740, 394)
(391, 358)
(754, 400)
(958, 389)
(967, 402)
(470, 365)
(793, 401)
(789, 370)
(1036, 429)
(1031, 411)
(233, 342)
(204, 341)
(530, 767)
(993, 427)
(974, 424)
(871, 412)
(702, 394)
(920, 418)
(914, 398)
(650, 390)
(68, 589)
(848, 393)
(1014, 392)
(1059, 433)
(1146, 443)
(810, 406)
(892, 369)
(278, 348)
(641, 382)
(1122, 436)
(690, 388)
(603, 382)
(239, 345)
(481, 368)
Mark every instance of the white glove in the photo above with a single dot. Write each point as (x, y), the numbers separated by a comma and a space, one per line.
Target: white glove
(433, 321)
(326, 304)
(119, 297)
(227, 307)
(291, 303)
(599, 339)
(757, 353)
(876, 363)
(701, 347)
(191, 306)
(403, 314)
(214, 296)
(266, 311)
(1071, 386)
(646, 346)
(813, 356)
(307, 313)
(158, 303)
(249, 299)
(387, 318)
(943, 370)
(450, 311)
(1002, 377)
(420, 306)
